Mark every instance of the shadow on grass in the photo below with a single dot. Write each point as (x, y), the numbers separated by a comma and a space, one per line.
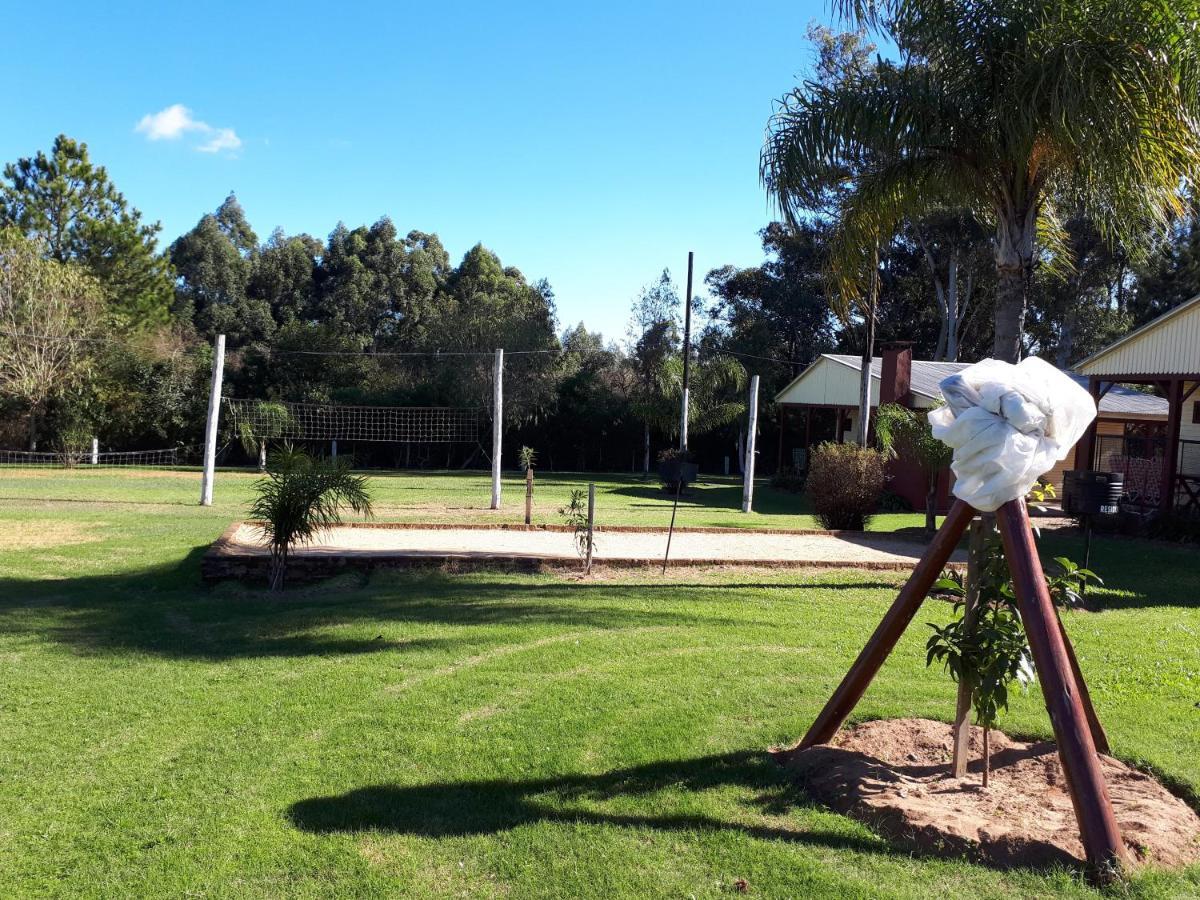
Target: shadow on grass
(458, 809)
(165, 611)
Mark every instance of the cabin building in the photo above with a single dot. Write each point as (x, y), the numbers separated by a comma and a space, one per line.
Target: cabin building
(1161, 464)
(821, 404)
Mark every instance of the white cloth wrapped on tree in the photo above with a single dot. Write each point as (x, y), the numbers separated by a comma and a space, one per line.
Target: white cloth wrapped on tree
(1007, 426)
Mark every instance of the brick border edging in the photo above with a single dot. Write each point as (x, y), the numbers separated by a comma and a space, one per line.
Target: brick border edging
(225, 560)
(307, 568)
(614, 529)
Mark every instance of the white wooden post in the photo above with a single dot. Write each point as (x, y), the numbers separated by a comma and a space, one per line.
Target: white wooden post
(591, 541)
(95, 451)
(333, 448)
(497, 425)
(210, 427)
(751, 440)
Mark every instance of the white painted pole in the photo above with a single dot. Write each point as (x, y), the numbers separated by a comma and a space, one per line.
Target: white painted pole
(210, 427)
(591, 541)
(95, 451)
(497, 425)
(751, 440)
(333, 448)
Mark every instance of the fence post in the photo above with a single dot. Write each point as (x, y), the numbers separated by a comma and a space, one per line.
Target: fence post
(751, 440)
(95, 451)
(591, 524)
(497, 425)
(210, 427)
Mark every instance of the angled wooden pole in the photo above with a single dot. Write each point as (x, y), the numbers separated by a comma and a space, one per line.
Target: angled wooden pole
(1098, 830)
(881, 643)
(1099, 737)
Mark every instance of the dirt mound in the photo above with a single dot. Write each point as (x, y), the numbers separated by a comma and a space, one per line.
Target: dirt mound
(894, 775)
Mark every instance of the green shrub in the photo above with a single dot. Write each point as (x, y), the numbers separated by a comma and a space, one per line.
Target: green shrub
(845, 482)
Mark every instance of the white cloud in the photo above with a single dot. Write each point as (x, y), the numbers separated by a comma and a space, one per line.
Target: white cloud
(176, 120)
(221, 139)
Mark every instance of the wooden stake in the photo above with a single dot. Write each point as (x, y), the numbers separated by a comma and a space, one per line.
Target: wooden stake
(528, 494)
(1085, 780)
(962, 712)
(881, 643)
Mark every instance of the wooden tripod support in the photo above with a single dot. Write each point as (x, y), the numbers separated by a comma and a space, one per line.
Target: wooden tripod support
(1076, 727)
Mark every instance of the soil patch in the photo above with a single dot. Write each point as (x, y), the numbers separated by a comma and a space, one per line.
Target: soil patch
(46, 535)
(893, 774)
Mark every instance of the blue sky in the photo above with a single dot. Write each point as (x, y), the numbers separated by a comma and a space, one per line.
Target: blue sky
(591, 146)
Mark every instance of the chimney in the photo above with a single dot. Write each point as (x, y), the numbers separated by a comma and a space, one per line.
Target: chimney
(895, 377)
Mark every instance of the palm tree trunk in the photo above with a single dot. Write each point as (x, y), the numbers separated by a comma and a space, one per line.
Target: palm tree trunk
(1014, 263)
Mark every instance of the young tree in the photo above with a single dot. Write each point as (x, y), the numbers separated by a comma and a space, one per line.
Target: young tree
(301, 496)
(1004, 108)
(49, 311)
(71, 208)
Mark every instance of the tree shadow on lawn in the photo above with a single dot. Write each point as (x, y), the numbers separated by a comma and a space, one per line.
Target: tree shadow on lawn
(1137, 573)
(459, 809)
(717, 497)
(164, 610)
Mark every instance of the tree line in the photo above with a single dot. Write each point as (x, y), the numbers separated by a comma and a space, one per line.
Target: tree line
(104, 331)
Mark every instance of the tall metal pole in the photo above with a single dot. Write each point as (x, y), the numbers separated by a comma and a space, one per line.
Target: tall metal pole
(751, 440)
(497, 425)
(687, 354)
(210, 427)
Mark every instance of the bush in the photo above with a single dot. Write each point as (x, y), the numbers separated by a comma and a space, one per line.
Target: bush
(845, 482)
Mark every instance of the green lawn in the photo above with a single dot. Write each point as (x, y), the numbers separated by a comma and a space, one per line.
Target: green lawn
(448, 497)
(481, 735)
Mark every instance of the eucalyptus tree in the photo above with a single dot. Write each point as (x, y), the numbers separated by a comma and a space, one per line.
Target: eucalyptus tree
(1006, 108)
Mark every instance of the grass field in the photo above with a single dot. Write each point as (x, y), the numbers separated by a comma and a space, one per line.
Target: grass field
(424, 734)
(448, 497)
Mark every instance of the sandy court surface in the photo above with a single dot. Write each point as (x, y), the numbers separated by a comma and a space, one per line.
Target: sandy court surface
(750, 546)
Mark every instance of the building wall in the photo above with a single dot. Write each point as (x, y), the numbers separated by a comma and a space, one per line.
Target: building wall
(1173, 347)
(828, 383)
(1103, 426)
(1189, 430)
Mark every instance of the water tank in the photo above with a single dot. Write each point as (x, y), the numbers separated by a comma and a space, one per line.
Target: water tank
(1087, 493)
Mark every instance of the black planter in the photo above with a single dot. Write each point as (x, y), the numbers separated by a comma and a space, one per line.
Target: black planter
(673, 471)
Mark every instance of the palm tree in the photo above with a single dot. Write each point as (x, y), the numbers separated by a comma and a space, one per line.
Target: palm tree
(1010, 108)
(299, 497)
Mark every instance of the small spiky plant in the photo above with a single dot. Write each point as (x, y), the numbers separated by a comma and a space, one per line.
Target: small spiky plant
(300, 496)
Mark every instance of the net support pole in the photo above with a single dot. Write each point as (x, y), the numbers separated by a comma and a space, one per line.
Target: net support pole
(95, 451)
(497, 425)
(210, 426)
(751, 440)
(591, 524)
